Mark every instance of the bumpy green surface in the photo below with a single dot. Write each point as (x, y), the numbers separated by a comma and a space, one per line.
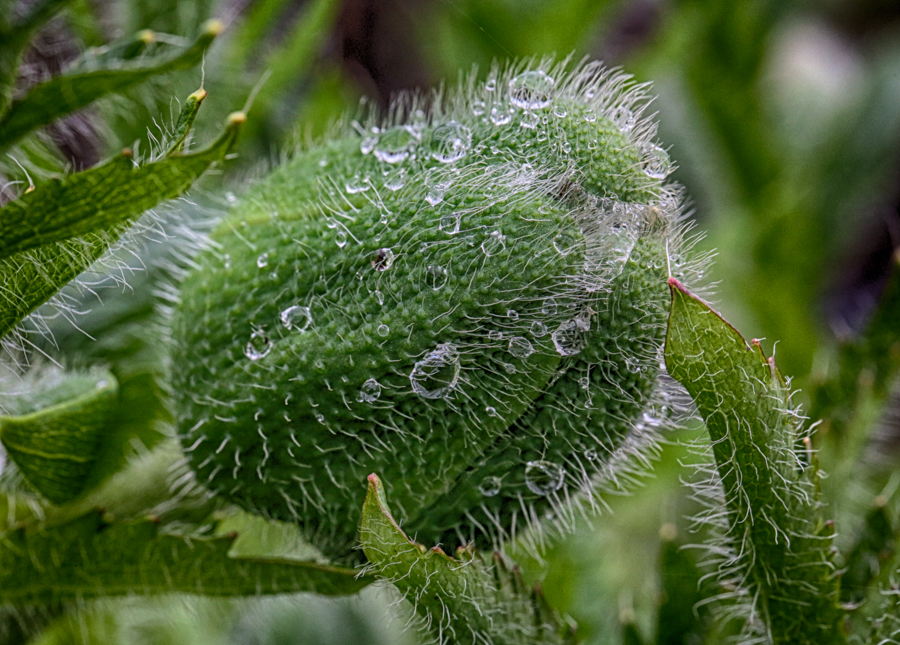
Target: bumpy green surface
(485, 296)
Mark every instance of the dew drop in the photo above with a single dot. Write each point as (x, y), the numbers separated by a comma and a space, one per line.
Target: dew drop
(489, 486)
(437, 375)
(560, 111)
(379, 297)
(531, 90)
(435, 194)
(435, 276)
(320, 417)
(568, 338)
(262, 261)
(584, 383)
(494, 244)
(450, 142)
(500, 116)
(396, 144)
(367, 145)
(340, 238)
(529, 120)
(538, 329)
(383, 260)
(543, 477)
(383, 330)
(396, 180)
(369, 392)
(564, 243)
(230, 197)
(549, 308)
(449, 224)
(656, 162)
(478, 108)
(491, 84)
(512, 314)
(296, 318)
(590, 454)
(495, 335)
(590, 116)
(520, 347)
(258, 345)
(623, 118)
(357, 184)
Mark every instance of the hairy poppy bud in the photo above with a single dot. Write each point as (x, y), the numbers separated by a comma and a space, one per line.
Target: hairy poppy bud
(467, 298)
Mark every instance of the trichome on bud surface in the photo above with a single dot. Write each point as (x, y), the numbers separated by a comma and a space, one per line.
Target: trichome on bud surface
(466, 296)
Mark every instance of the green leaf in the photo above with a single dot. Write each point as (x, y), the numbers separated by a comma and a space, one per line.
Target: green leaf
(874, 545)
(55, 447)
(98, 205)
(773, 525)
(89, 558)
(15, 36)
(69, 92)
(678, 620)
(464, 600)
(186, 120)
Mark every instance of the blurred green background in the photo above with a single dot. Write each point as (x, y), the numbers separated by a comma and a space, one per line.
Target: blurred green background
(783, 117)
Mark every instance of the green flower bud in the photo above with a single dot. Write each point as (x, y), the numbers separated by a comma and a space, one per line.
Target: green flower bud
(467, 297)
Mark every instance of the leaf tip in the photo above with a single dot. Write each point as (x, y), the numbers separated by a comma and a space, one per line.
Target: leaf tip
(236, 118)
(213, 27)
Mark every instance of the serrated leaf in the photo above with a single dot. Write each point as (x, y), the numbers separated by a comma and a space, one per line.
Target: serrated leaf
(464, 600)
(774, 525)
(89, 558)
(55, 447)
(96, 205)
(72, 91)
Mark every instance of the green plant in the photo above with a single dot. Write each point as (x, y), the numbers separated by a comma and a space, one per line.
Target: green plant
(460, 308)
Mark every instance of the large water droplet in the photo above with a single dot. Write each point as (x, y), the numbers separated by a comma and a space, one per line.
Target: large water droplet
(258, 345)
(520, 347)
(435, 376)
(435, 194)
(489, 486)
(369, 392)
(568, 338)
(450, 142)
(383, 330)
(450, 223)
(531, 90)
(396, 144)
(435, 276)
(549, 308)
(296, 318)
(656, 162)
(544, 477)
(383, 260)
(262, 261)
(494, 243)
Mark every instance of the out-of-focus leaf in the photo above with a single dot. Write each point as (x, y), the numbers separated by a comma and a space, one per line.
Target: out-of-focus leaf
(677, 619)
(464, 601)
(98, 205)
(875, 543)
(14, 37)
(779, 539)
(55, 447)
(69, 92)
(90, 558)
